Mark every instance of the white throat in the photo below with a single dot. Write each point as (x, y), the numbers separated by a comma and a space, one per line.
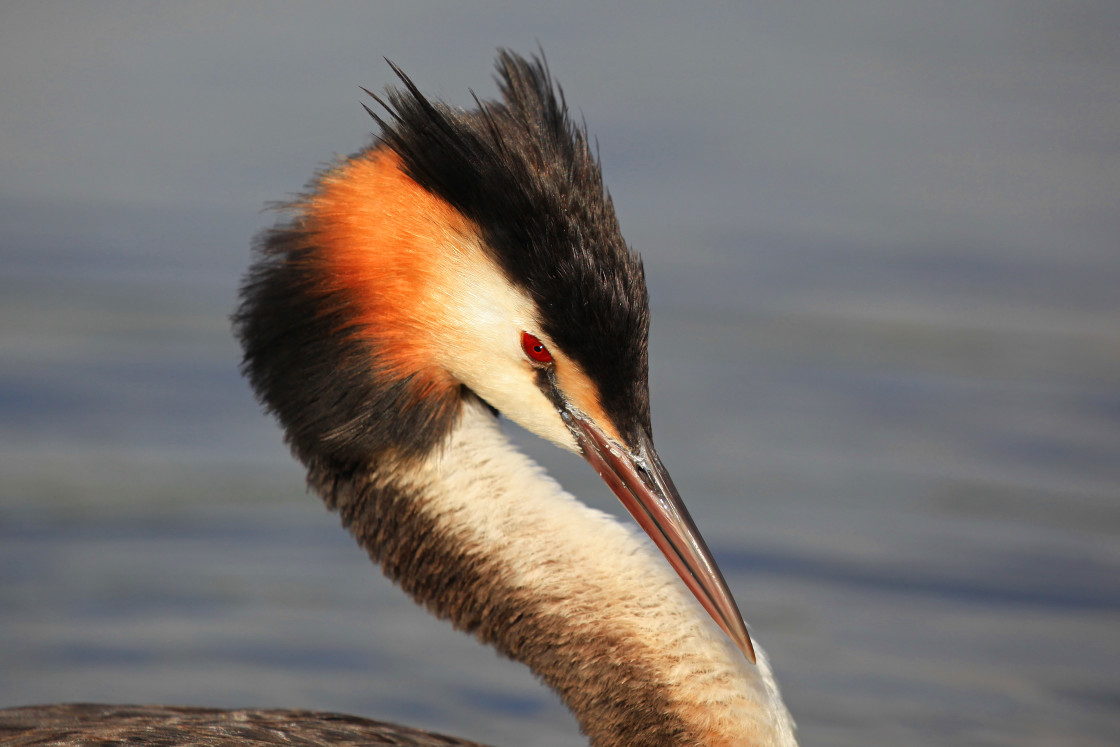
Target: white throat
(583, 568)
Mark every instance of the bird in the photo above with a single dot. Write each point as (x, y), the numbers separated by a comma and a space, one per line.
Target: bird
(468, 265)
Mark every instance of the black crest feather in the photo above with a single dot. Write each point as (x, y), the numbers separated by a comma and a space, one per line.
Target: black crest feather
(525, 174)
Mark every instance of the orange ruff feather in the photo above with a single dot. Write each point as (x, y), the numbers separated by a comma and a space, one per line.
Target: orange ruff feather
(376, 230)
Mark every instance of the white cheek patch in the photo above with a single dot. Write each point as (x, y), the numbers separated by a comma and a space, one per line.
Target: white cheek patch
(477, 316)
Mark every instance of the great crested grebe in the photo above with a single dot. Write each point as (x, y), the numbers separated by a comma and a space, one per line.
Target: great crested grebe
(469, 263)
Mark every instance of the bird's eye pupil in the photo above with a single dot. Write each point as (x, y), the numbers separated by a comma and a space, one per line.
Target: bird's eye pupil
(535, 349)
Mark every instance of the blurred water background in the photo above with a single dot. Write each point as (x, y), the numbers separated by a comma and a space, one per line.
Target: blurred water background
(883, 242)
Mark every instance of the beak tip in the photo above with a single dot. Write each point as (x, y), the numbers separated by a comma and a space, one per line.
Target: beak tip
(747, 647)
(736, 630)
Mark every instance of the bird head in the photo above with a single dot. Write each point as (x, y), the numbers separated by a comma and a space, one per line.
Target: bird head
(468, 254)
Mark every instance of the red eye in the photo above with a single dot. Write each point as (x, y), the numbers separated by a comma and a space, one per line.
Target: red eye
(535, 349)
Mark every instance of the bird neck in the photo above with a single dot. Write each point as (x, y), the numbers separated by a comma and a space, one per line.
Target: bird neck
(479, 534)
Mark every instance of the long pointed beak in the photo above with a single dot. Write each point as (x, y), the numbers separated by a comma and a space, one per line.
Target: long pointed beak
(643, 485)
